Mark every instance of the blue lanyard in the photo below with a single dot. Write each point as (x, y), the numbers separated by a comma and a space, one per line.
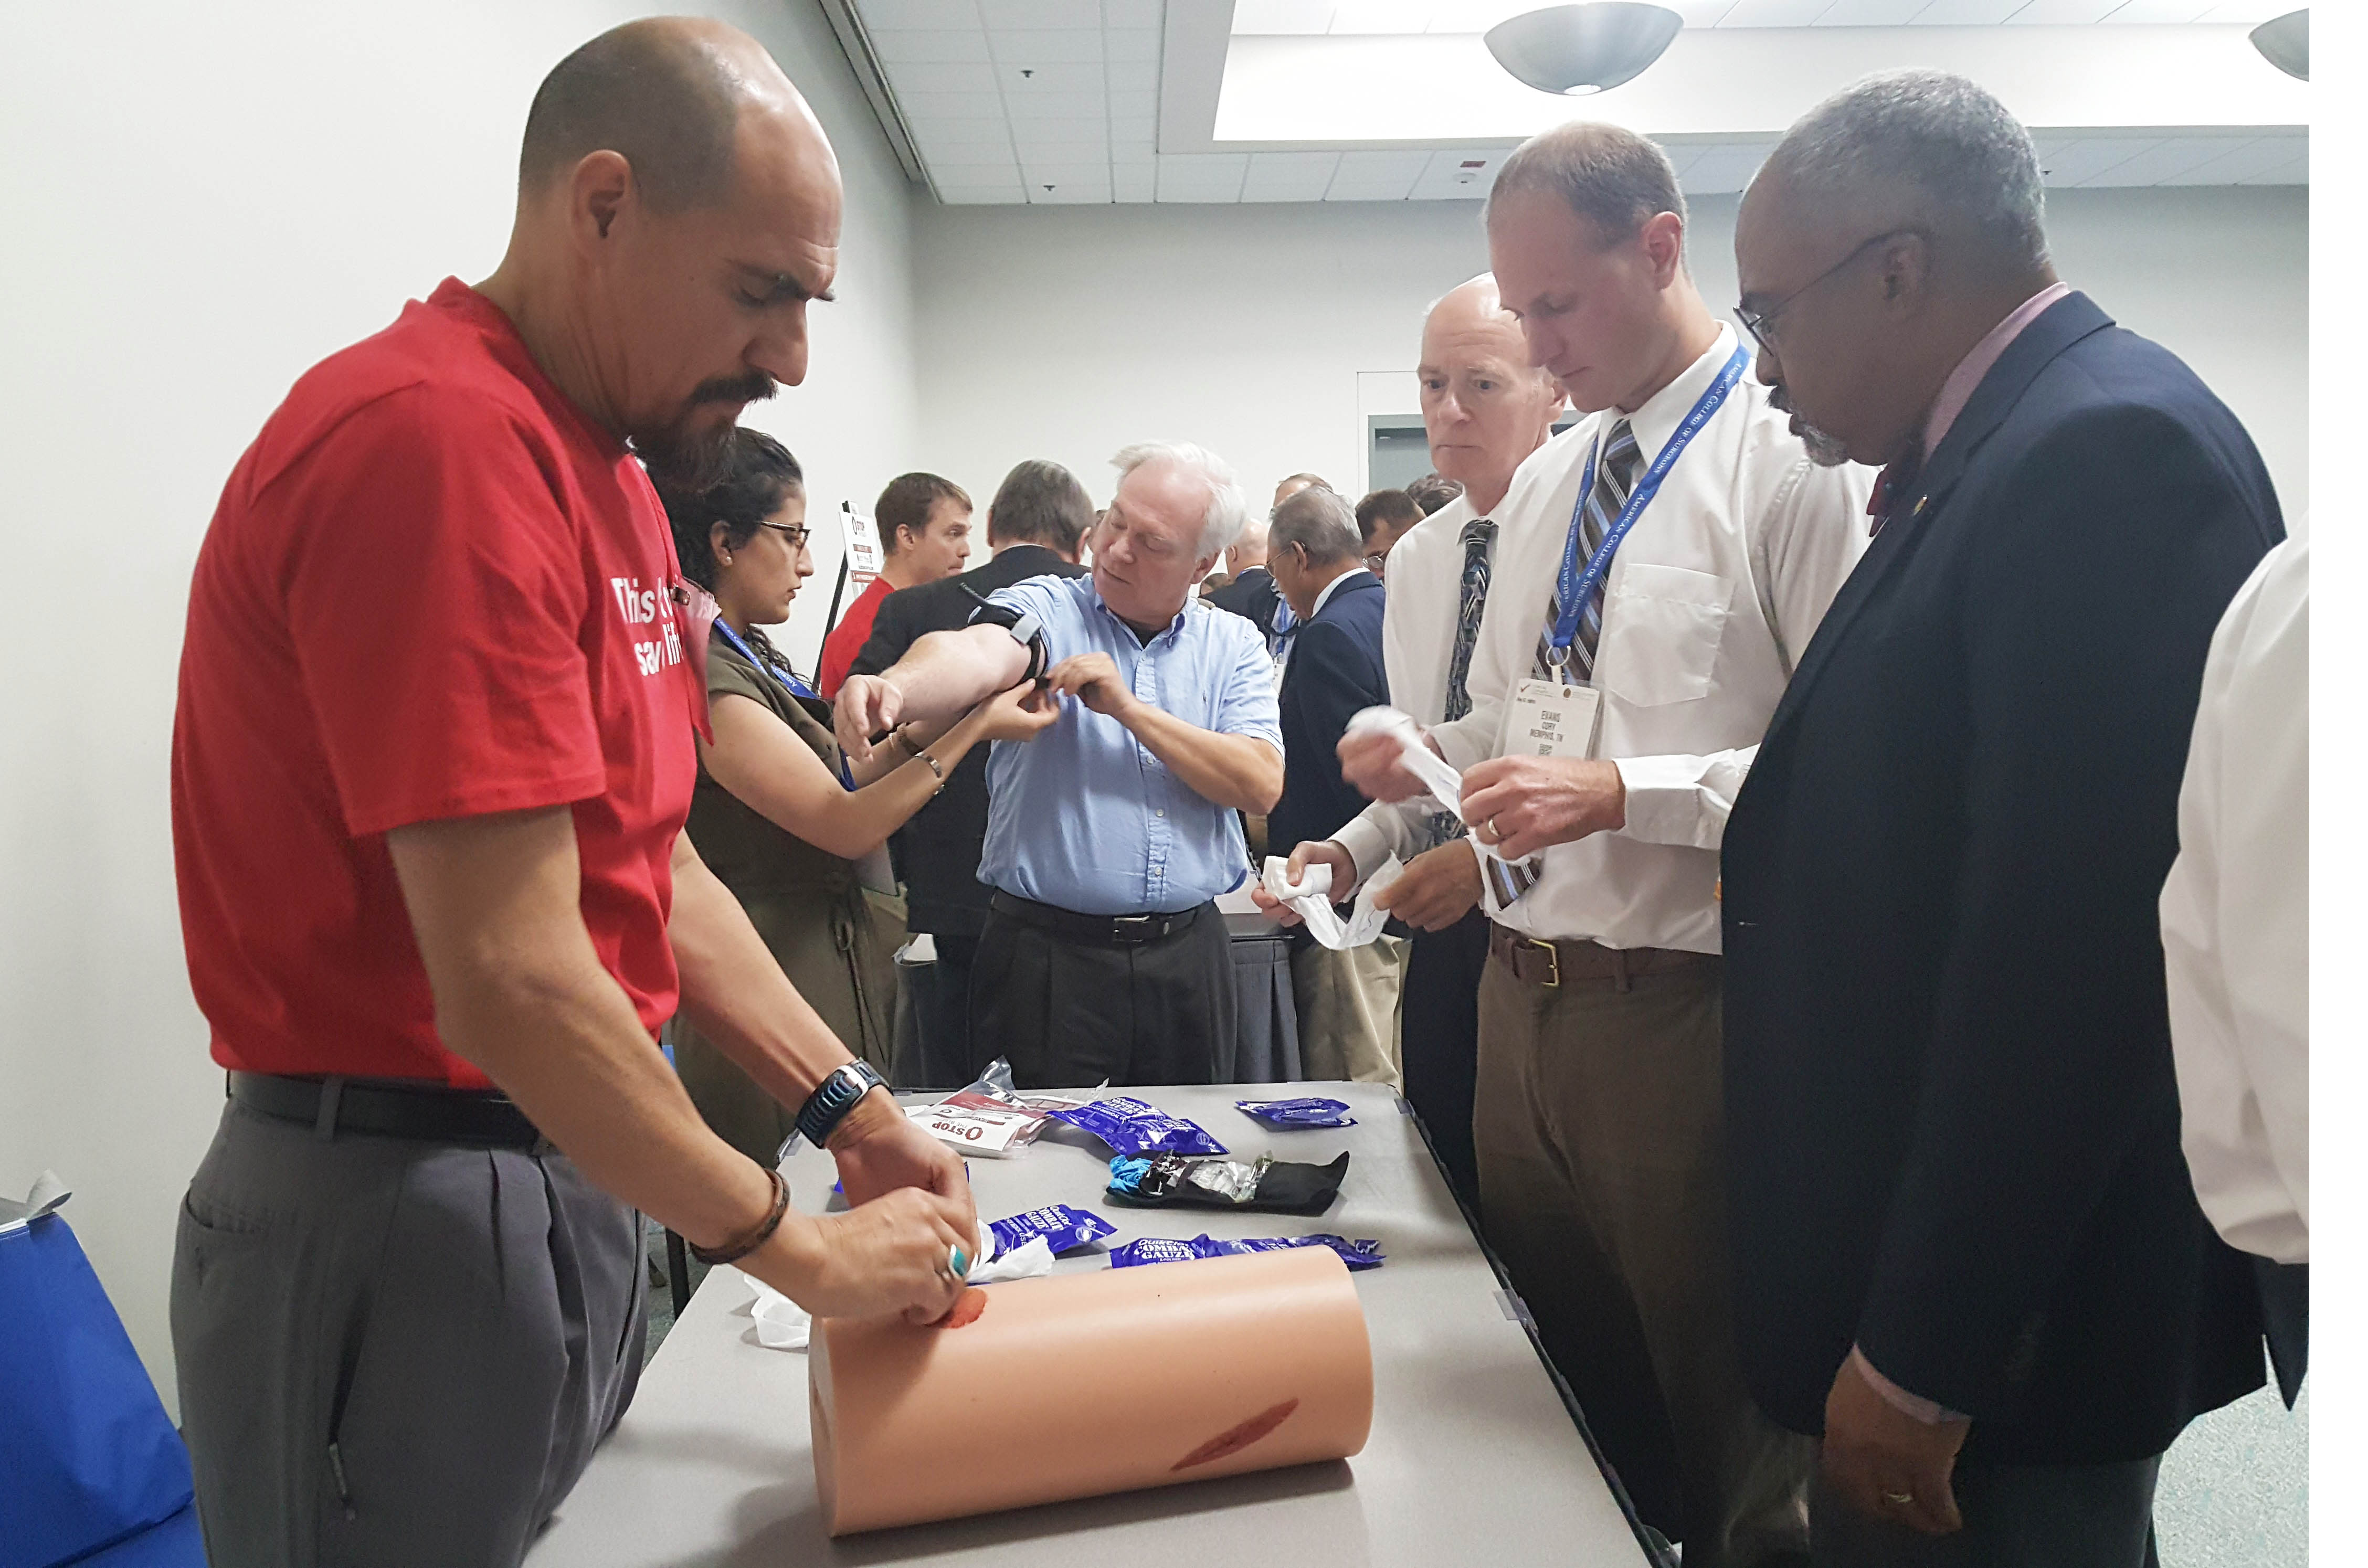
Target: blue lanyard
(787, 677)
(1577, 587)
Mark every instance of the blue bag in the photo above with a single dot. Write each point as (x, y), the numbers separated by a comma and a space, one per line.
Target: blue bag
(87, 1459)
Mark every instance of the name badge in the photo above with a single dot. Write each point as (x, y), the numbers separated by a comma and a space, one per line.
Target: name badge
(1548, 719)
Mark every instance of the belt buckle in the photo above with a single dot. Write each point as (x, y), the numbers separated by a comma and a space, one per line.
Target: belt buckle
(1137, 922)
(1554, 961)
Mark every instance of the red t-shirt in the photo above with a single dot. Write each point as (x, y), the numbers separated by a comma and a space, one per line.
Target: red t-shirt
(433, 588)
(847, 638)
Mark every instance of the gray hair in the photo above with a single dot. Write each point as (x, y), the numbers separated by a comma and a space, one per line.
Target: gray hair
(1228, 511)
(1319, 522)
(1939, 133)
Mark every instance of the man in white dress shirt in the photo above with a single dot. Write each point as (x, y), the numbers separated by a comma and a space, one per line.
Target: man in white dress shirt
(1620, 686)
(2235, 939)
(1485, 409)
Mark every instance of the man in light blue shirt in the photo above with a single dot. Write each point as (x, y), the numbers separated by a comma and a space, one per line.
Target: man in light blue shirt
(1109, 835)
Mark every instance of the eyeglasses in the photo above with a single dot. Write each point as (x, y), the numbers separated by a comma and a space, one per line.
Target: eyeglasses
(797, 537)
(1762, 324)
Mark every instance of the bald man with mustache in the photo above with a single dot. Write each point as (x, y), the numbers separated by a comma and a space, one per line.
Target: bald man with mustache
(431, 763)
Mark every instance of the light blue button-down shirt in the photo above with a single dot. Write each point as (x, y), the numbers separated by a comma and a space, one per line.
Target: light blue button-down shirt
(1084, 816)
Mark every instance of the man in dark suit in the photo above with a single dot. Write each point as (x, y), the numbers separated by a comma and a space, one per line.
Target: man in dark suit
(1253, 593)
(1034, 526)
(1968, 1253)
(1348, 1000)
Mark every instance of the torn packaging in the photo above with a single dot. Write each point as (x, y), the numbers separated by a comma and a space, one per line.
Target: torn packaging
(1252, 1362)
(1270, 1186)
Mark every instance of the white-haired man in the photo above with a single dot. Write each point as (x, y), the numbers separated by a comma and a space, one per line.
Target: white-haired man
(1109, 836)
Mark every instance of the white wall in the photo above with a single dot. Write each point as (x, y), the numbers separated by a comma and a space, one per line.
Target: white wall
(1065, 332)
(204, 200)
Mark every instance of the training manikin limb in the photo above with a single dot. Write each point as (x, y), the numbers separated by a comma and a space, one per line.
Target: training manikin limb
(1081, 1384)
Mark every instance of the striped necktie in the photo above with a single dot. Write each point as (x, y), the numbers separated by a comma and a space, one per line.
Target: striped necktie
(1615, 476)
(1471, 600)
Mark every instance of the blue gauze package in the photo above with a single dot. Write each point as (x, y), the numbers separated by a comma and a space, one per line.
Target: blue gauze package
(1131, 1126)
(1308, 1112)
(1359, 1255)
(1063, 1228)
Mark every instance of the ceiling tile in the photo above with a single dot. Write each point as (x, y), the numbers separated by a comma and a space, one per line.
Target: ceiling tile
(1202, 176)
(1144, 152)
(1049, 46)
(2155, 13)
(1289, 177)
(950, 106)
(1773, 13)
(2083, 158)
(1130, 43)
(2295, 173)
(1128, 127)
(1966, 13)
(1005, 182)
(969, 198)
(950, 44)
(1070, 196)
(1877, 13)
(1134, 76)
(1094, 130)
(1702, 13)
(2171, 157)
(1457, 174)
(1281, 15)
(2258, 156)
(980, 153)
(1046, 172)
(1054, 106)
(941, 76)
(916, 15)
(2062, 13)
(957, 128)
(1022, 81)
(1133, 14)
(1024, 14)
(1376, 176)
(1134, 182)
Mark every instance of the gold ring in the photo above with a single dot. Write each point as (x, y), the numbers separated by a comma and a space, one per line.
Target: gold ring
(1899, 1499)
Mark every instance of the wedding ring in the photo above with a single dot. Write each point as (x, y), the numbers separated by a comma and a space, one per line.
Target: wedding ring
(1495, 836)
(1899, 1499)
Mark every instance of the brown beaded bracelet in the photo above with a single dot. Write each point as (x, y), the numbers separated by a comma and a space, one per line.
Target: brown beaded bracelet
(761, 1233)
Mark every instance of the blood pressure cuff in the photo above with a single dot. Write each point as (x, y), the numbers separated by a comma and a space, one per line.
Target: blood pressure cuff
(1025, 628)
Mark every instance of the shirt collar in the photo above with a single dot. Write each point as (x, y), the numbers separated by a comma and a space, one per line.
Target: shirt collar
(1959, 387)
(1333, 587)
(1658, 419)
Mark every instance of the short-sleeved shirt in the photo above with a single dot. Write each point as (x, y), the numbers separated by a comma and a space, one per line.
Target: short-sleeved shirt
(433, 589)
(846, 639)
(1084, 816)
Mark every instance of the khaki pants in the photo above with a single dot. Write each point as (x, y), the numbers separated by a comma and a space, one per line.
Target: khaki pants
(1349, 1015)
(1599, 1120)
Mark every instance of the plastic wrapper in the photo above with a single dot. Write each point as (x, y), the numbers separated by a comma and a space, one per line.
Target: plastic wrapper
(1131, 1126)
(1309, 1112)
(1282, 1187)
(990, 1116)
(1060, 1227)
(1358, 1255)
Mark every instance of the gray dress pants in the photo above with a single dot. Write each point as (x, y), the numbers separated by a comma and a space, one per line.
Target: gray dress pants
(390, 1352)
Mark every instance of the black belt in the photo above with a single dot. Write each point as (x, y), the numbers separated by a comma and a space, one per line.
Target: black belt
(427, 1112)
(1103, 930)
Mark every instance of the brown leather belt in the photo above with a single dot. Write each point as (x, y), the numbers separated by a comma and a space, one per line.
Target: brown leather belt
(1550, 964)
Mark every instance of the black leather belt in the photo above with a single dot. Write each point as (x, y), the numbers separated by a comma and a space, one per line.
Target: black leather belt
(1103, 930)
(428, 1112)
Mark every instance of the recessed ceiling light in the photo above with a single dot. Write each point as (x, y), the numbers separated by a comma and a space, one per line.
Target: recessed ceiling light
(1581, 50)
(2284, 42)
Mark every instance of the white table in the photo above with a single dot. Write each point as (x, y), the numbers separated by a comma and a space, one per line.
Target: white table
(1472, 1458)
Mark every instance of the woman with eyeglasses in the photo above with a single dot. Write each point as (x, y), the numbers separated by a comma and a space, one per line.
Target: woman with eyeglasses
(777, 813)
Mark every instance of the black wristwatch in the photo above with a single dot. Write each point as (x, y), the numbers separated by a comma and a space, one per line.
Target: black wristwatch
(828, 1105)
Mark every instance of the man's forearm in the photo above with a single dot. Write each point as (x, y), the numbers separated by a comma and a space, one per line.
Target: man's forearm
(945, 674)
(1240, 771)
(734, 993)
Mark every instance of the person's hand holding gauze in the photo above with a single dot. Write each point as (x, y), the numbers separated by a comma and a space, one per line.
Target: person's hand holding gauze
(880, 1149)
(1314, 854)
(1517, 805)
(905, 1252)
(1309, 895)
(1386, 756)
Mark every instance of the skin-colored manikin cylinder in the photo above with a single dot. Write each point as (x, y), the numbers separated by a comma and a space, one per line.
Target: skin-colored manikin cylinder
(1081, 1384)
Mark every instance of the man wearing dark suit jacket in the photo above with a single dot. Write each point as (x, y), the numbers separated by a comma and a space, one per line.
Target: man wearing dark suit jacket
(1968, 1253)
(1034, 526)
(1253, 592)
(1348, 1000)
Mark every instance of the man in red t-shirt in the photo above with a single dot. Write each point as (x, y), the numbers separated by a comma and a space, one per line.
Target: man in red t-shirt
(431, 766)
(923, 523)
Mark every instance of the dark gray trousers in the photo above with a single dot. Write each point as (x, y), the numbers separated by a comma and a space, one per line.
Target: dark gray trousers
(2067, 1516)
(1069, 1014)
(394, 1352)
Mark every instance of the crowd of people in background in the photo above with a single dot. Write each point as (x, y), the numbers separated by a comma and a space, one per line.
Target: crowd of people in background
(1784, 989)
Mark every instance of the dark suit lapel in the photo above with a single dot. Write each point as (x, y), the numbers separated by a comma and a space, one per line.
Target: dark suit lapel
(2059, 326)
